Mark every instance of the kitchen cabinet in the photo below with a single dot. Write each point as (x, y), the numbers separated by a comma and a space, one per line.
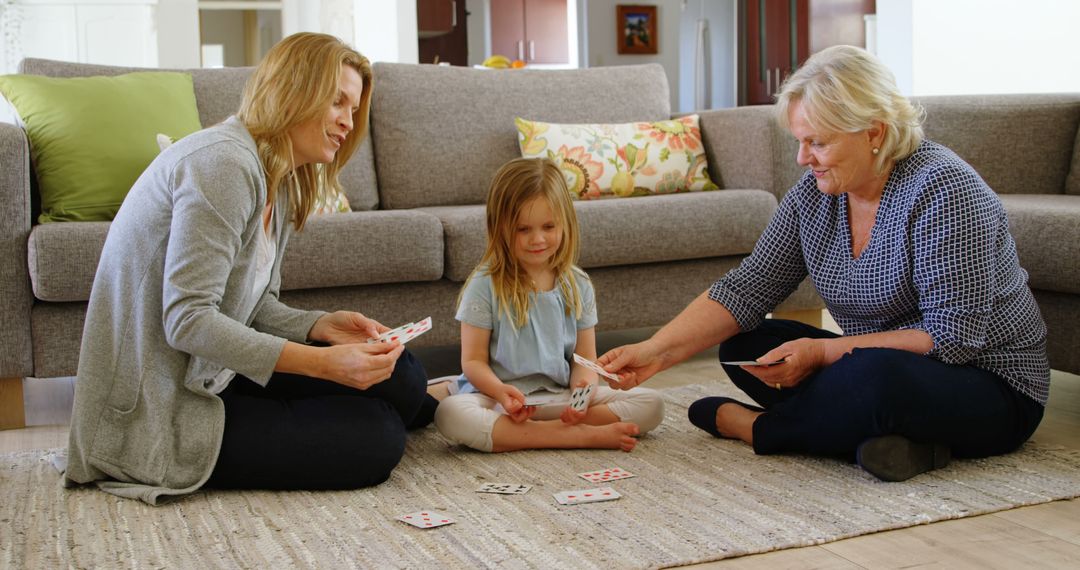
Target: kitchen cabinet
(533, 31)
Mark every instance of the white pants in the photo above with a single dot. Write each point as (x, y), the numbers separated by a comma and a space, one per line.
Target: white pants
(469, 419)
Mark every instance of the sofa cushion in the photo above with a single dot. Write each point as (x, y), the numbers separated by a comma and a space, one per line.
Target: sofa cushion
(748, 149)
(623, 159)
(218, 93)
(626, 232)
(440, 133)
(1046, 229)
(364, 248)
(91, 137)
(1072, 184)
(351, 248)
(63, 259)
(1019, 144)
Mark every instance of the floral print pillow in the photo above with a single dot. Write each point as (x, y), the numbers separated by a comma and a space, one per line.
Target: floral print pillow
(629, 159)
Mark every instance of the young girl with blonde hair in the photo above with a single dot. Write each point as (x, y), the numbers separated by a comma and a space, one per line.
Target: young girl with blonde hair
(524, 311)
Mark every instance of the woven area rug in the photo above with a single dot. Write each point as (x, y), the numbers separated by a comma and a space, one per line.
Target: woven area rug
(694, 499)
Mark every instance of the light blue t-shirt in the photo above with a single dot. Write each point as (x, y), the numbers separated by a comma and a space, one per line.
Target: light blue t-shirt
(536, 356)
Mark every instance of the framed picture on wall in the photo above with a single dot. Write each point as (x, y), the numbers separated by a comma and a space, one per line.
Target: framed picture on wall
(637, 28)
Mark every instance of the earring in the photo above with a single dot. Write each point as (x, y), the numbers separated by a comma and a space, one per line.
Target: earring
(876, 150)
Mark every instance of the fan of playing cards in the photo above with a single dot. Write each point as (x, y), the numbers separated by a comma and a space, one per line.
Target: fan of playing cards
(405, 332)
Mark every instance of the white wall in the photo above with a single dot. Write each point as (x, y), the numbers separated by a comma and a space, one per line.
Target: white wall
(720, 56)
(950, 47)
(177, 46)
(386, 30)
(602, 46)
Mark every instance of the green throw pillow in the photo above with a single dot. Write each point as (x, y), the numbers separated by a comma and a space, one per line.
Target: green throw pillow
(91, 137)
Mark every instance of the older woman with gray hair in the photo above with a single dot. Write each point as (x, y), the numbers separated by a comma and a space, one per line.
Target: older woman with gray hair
(944, 349)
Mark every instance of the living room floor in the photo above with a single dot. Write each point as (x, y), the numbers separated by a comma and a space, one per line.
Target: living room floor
(1046, 536)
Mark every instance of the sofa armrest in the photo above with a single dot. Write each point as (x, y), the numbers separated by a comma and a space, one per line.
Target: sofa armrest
(16, 353)
(746, 148)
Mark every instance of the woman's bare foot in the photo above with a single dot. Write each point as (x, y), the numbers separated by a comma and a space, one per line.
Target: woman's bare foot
(736, 421)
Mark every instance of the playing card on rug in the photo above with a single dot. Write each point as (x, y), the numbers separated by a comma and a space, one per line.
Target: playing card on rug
(586, 496)
(605, 475)
(594, 367)
(427, 519)
(504, 488)
(580, 397)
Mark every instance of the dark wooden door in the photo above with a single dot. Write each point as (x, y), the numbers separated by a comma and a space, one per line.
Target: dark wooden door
(442, 32)
(775, 41)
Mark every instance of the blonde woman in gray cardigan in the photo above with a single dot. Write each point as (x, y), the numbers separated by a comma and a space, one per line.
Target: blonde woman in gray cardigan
(192, 372)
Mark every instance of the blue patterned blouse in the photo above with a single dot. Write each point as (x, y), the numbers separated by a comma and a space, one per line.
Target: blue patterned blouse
(940, 259)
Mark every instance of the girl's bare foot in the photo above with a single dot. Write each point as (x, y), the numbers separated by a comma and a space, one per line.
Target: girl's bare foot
(618, 435)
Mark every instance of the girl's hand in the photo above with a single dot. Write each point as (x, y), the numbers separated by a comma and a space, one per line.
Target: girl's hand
(513, 401)
(633, 363)
(570, 415)
(802, 357)
(362, 365)
(345, 327)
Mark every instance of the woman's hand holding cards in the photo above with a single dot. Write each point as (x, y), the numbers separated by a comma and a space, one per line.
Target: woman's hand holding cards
(633, 363)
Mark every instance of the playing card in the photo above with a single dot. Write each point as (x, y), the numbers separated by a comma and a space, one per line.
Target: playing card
(504, 488)
(405, 332)
(594, 367)
(751, 363)
(580, 397)
(427, 519)
(416, 330)
(586, 496)
(391, 334)
(544, 398)
(605, 475)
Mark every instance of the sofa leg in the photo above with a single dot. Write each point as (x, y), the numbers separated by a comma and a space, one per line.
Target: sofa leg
(12, 412)
(811, 317)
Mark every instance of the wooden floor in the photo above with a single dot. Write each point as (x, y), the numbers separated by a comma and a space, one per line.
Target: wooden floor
(1042, 536)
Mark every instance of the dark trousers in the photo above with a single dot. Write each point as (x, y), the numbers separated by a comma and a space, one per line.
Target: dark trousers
(305, 433)
(879, 391)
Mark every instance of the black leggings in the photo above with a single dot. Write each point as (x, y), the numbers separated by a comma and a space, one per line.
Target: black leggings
(305, 433)
(879, 391)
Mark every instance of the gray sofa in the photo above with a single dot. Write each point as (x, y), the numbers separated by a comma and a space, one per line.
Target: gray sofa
(437, 136)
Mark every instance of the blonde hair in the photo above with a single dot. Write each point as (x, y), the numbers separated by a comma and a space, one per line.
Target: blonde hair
(297, 81)
(514, 185)
(845, 89)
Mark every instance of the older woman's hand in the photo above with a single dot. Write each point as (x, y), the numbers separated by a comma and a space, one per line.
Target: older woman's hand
(345, 327)
(360, 365)
(802, 357)
(633, 363)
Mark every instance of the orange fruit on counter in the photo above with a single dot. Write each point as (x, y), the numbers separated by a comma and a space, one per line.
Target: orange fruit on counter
(517, 64)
